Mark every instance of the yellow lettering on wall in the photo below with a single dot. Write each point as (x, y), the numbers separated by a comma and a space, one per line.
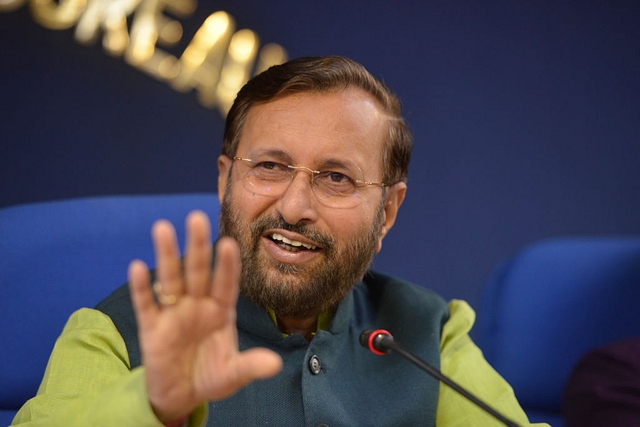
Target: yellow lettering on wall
(109, 16)
(201, 61)
(216, 63)
(235, 70)
(11, 5)
(152, 27)
(271, 54)
(57, 15)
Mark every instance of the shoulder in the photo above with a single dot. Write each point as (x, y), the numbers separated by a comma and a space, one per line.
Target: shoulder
(401, 304)
(119, 308)
(87, 319)
(117, 298)
(385, 290)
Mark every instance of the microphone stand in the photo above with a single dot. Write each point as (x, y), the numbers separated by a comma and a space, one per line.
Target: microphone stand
(384, 342)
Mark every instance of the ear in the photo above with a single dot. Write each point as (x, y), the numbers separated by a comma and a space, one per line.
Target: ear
(224, 166)
(395, 197)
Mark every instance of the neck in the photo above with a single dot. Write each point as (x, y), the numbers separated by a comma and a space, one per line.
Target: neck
(305, 326)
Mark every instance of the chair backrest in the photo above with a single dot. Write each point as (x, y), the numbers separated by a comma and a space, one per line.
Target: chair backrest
(56, 257)
(551, 303)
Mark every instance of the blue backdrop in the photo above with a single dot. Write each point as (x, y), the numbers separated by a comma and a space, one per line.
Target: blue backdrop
(526, 116)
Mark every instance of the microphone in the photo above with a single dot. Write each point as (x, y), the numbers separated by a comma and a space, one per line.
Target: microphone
(381, 342)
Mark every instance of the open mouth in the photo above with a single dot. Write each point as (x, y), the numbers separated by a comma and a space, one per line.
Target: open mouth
(291, 245)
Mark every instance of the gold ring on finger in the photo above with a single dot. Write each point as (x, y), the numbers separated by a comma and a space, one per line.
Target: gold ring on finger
(163, 298)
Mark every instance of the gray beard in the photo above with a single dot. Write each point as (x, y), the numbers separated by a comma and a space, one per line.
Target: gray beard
(291, 290)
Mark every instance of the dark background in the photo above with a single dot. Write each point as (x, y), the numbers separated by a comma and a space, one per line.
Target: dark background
(526, 117)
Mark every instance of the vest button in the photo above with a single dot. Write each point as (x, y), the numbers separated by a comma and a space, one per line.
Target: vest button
(314, 365)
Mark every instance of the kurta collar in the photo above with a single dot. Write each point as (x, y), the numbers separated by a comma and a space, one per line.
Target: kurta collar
(255, 320)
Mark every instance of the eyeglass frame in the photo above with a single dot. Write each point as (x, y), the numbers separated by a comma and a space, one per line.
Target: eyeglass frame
(357, 182)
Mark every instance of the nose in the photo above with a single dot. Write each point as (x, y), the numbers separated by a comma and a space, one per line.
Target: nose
(298, 203)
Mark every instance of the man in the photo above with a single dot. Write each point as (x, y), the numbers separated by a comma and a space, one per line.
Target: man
(311, 178)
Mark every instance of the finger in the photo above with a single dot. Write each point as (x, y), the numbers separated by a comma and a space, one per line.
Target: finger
(256, 364)
(249, 365)
(226, 273)
(198, 254)
(168, 265)
(143, 302)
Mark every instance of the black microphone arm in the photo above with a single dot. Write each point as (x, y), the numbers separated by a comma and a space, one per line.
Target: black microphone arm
(381, 342)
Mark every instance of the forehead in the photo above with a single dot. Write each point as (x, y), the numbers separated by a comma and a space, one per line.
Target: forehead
(313, 128)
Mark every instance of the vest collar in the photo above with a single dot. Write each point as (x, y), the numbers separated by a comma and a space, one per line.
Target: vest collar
(255, 320)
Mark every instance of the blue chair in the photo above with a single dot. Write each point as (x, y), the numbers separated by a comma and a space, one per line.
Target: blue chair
(548, 305)
(56, 257)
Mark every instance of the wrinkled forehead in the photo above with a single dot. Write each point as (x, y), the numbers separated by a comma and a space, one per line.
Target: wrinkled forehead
(318, 129)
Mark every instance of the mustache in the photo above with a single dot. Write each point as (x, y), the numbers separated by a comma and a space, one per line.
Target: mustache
(261, 224)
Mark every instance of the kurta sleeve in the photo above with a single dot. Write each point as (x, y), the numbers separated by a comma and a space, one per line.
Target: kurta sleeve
(88, 382)
(463, 362)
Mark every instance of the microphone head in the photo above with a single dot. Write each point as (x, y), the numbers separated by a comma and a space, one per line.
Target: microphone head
(364, 338)
(373, 340)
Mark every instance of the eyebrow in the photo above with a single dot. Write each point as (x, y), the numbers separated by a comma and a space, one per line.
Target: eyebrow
(338, 164)
(326, 163)
(278, 154)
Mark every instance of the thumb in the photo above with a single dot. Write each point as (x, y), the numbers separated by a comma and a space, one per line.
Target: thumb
(257, 364)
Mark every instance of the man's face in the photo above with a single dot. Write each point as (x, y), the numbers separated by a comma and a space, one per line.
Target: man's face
(311, 130)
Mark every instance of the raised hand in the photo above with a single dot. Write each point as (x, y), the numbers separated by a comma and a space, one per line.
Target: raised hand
(189, 340)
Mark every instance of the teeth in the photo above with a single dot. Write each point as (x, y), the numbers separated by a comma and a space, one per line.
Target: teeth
(281, 238)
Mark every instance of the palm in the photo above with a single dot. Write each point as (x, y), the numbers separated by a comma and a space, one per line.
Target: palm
(190, 348)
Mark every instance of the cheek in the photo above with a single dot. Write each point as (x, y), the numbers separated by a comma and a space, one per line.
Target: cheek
(249, 205)
(350, 223)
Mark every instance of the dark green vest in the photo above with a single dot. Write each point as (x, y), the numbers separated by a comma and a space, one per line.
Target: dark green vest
(332, 380)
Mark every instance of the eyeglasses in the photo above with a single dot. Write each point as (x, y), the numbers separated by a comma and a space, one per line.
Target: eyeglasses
(338, 187)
